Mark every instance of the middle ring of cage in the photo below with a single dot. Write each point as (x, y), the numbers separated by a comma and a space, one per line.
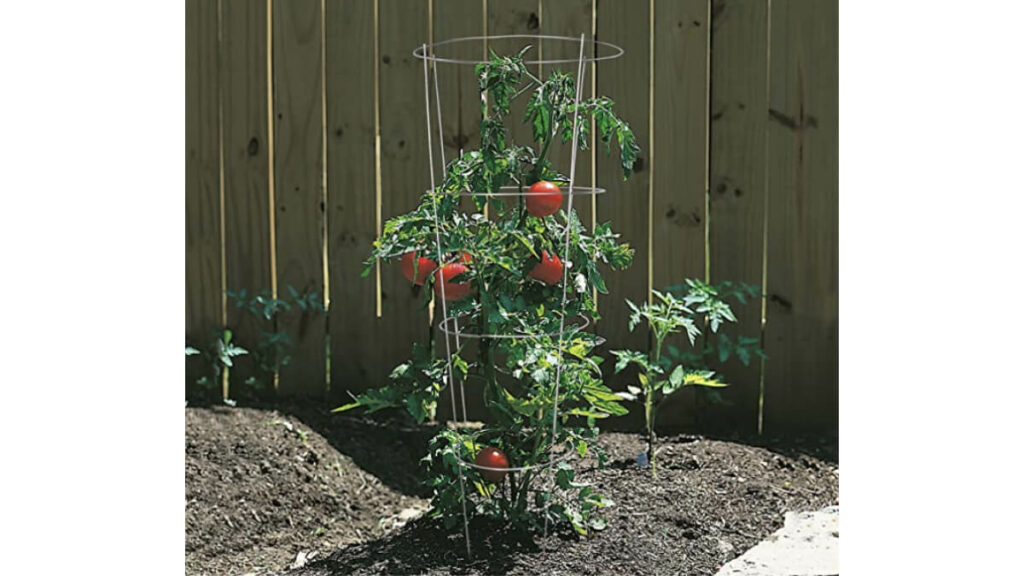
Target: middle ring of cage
(513, 191)
(579, 323)
(559, 452)
(561, 49)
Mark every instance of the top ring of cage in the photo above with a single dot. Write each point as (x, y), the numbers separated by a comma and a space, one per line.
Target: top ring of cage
(445, 50)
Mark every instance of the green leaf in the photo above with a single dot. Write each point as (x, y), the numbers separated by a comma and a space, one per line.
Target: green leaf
(347, 407)
(724, 347)
(676, 378)
(703, 378)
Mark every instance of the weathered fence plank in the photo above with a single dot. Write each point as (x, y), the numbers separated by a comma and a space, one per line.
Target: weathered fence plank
(571, 18)
(460, 111)
(515, 17)
(299, 194)
(356, 363)
(627, 82)
(802, 329)
(460, 100)
(739, 117)
(203, 310)
(738, 142)
(248, 245)
(404, 167)
(679, 162)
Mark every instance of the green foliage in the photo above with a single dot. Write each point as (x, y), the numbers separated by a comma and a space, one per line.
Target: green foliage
(273, 348)
(219, 355)
(518, 376)
(662, 374)
(711, 305)
(417, 385)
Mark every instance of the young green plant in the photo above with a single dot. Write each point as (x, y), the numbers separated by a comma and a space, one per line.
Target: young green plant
(658, 377)
(219, 355)
(694, 307)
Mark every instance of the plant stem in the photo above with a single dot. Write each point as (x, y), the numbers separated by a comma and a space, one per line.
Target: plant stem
(224, 383)
(649, 412)
(522, 206)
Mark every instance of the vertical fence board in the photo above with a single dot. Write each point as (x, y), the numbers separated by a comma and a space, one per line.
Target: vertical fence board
(298, 188)
(627, 82)
(460, 111)
(739, 115)
(202, 181)
(801, 333)
(515, 17)
(570, 18)
(679, 165)
(404, 167)
(460, 100)
(247, 240)
(351, 159)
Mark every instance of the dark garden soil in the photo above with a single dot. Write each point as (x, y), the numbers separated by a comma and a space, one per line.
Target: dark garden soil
(342, 493)
(261, 486)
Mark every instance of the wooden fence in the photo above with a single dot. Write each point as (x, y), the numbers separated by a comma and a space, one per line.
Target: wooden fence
(305, 131)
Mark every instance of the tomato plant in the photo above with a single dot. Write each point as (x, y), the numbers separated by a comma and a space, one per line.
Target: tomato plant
(503, 279)
(661, 375)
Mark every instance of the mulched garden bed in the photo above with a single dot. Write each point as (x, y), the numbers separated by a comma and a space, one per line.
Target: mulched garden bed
(262, 486)
(342, 493)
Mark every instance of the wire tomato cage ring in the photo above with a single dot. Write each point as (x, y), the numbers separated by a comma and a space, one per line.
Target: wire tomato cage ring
(450, 327)
(442, 51)
(513, 191)
(435, 53)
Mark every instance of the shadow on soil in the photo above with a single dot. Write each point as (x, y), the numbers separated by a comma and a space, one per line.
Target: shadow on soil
(425, 547)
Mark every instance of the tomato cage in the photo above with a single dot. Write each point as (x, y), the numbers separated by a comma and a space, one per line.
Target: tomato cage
(545, 52)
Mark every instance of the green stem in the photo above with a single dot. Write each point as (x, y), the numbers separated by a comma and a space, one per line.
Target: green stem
(649, 409)
(543, 156)
(522, 206)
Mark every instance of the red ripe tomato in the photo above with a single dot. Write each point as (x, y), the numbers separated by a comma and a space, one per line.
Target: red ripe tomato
(452, 290)
(543, 199)
(422, 269)
(548, 270)
(492, 458)
(465, 258)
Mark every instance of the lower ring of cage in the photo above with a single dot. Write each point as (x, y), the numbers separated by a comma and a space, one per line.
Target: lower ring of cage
(579, 323)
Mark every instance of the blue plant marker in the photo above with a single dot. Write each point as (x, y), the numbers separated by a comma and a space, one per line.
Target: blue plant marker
(641, 459)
